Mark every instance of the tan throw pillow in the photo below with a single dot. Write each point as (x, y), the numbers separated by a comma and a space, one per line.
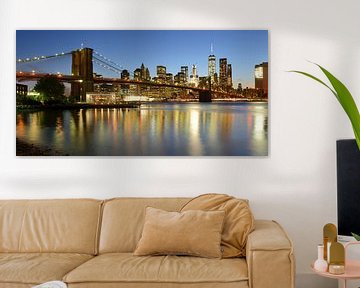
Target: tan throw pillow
(239, 220)
(196, 233)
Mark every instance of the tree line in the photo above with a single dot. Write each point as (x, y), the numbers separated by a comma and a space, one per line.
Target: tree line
(50, 92)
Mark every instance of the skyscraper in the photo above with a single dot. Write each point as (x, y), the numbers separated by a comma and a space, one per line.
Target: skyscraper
(143, 71)
(212, 67)
(194, 77)
(161, 73)
(125, 74)
(223, 72)
(261, 76)
(229, 76)
(147, 74)
(137, 74)
(179, 78)
(185, 70)
(169, 78)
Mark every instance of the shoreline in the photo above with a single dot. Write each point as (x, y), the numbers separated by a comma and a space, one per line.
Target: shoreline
(77, 106)
(28, 149)
(126, 105)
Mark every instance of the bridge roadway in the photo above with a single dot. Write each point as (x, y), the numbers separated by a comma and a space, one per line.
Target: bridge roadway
(30, 76)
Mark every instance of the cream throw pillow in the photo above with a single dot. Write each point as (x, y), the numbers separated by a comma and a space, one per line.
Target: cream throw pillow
(238, 223)
(193, 232)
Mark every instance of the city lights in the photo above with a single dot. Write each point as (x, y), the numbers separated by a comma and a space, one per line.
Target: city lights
(182, 82)
(144, 92)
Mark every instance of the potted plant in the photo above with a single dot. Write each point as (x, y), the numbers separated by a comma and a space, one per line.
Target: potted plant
(345, 99)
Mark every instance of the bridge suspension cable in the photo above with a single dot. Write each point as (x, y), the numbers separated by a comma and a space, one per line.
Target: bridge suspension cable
(98, 59)
(39, 58)
(99, 55)
(106, 65)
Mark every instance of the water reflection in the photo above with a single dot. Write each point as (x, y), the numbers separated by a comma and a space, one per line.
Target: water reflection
(156, 129)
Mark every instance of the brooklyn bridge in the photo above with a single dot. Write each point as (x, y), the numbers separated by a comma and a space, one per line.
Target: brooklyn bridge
(83, 79)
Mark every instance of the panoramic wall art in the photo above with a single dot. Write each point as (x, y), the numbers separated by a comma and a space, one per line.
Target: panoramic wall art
(142, 93)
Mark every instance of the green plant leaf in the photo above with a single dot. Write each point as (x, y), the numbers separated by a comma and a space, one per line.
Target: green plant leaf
(346, 100)
(344, 97)
(356, 236)
(316, 79)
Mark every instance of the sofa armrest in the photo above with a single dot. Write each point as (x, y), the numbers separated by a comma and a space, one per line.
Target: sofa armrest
(269, 256)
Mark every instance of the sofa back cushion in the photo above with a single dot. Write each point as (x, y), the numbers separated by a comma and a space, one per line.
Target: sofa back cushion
(238, 224)
(123, 220)
(66, 226)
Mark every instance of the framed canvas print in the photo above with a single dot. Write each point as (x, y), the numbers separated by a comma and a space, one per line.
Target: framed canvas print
(142, 92)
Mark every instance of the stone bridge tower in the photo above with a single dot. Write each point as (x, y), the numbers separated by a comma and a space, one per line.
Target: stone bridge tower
(82, 67)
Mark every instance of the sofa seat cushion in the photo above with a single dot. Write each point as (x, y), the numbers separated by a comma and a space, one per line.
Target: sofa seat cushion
(36, 268)
(127, 268)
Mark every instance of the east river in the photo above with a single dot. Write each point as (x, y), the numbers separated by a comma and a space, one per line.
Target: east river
(170, 129)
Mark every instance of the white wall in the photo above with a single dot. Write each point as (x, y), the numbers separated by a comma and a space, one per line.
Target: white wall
(295, 185)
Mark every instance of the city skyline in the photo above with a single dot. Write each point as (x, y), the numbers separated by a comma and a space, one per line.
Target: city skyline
(170, 48)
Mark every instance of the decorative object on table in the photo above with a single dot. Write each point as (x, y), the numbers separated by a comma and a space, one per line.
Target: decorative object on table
(329, 236)
(349, 270)
(333, 251)
(337, 258)
(336, 269)
(344, 97)
(320, 264)
(51, 284)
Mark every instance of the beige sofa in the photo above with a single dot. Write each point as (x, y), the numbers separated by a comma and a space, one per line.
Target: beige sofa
(89, 243)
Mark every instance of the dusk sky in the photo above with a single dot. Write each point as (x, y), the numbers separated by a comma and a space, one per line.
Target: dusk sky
(129, 48)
